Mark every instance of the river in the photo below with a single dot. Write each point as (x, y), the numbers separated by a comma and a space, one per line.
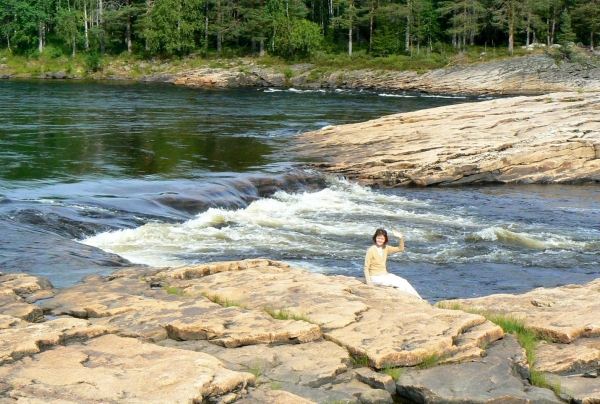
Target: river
(98, 175)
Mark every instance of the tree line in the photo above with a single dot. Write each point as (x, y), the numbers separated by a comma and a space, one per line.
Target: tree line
(291, 28)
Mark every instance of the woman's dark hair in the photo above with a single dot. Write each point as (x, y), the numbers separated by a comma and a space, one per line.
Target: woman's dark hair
(380, 232)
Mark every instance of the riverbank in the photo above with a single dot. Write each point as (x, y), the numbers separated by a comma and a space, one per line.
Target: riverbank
(260, 331)
(553, 138)
(536, 73)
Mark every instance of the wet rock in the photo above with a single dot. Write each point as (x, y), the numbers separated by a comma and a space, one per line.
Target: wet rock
(547, 139)
(115, 369)
(492, 379)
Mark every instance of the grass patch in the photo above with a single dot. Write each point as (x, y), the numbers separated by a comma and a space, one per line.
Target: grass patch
(275, 385)
(283, 314)
(255, 370)
(225, 302)
(429, 361)
(540, 379)
(172, 290)
(359, 360)
(394, 372)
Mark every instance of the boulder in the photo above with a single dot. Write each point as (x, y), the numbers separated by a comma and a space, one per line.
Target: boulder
(546, 139)
(60, 75)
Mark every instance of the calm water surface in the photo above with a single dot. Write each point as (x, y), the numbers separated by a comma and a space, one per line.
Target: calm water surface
(96, 175)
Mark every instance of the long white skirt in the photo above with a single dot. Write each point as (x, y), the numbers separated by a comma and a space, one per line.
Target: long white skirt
(394, 281)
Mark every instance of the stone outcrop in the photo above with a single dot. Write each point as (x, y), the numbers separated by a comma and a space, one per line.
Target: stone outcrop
(260, 331)
(545, 139)
(536, 74)
(567, 320)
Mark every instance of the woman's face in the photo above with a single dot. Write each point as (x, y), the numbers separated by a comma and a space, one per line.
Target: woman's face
(379, 240)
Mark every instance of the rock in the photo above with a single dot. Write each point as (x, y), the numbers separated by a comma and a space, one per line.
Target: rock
(349, 312)
(115, 369)
(579, 356)
(376, 397)
(131, 305)
(548, 139)
(492, 379)
(262, 396)
(311, 364)
(581, 390)
(376, 380)
(13, 305)
(24, 284)
(59, 75)
(567, 314)
(19, 339)
(5, 76)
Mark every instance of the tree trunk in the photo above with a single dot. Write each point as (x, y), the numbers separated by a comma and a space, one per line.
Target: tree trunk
(219, 17)
(101, 22)
(350, 40)
(371, 30)
(407, 38)
(206, 24)
(592, 41)
(40, 37)
(511, 36)
(261, 51)
(528, 29)
(128, 34)
(74, 45)
(85, 27)
(553, 27)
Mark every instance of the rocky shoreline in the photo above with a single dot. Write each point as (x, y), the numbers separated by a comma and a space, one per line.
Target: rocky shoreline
(534, 74)
(260, 331)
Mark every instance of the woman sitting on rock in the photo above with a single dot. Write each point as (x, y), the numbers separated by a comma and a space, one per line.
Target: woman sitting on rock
(375, 263)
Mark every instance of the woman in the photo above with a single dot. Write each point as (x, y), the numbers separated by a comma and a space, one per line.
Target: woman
(375, 263)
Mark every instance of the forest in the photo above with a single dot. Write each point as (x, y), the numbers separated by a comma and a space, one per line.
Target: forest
(290, 28)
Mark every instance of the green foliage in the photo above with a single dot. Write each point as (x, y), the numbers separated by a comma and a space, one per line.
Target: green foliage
(93, 62)
(275, 385)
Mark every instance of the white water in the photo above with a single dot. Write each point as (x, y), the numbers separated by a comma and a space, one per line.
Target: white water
(328, 231)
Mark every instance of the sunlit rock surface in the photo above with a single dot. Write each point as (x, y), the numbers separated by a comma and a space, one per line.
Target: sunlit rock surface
(553, 138)
(116, 369)
(261, 331)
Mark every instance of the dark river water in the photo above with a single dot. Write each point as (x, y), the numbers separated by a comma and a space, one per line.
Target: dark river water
(94, 176)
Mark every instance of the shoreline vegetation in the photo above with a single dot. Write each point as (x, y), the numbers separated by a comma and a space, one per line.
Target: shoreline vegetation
(51, 64)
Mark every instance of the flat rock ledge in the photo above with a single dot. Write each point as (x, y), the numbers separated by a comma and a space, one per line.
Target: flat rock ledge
(260, 331)
(553, 138)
